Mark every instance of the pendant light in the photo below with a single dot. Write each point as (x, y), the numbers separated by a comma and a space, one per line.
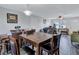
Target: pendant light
(28, 12)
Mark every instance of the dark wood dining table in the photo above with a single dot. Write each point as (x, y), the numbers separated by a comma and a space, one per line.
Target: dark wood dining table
(37, 39)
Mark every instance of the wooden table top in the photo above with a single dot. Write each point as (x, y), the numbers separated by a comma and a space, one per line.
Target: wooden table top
(37, 37)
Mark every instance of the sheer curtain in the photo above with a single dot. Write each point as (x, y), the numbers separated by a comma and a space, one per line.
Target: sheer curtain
(66, 47)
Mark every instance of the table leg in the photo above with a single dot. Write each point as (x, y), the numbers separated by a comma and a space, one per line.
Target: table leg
(37, 52)
(32, 46)
(18, 47)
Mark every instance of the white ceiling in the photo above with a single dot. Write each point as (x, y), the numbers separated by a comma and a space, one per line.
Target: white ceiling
(47, 10)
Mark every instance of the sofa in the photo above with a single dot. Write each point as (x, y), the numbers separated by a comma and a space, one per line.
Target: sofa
(75, 37)
(75, 41)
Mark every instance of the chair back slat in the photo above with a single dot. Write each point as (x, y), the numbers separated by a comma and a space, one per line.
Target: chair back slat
(53, 44)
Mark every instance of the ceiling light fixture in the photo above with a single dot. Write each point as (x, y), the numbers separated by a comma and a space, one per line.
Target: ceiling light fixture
(28, 12)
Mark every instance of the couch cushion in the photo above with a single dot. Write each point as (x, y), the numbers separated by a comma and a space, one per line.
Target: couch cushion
(75, 38)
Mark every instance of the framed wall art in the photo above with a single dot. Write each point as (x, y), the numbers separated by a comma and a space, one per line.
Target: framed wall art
(12, 18)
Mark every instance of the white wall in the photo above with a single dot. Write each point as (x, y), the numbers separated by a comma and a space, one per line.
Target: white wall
(71, 23)
(28, 22)
(24, 21)
(36, 22)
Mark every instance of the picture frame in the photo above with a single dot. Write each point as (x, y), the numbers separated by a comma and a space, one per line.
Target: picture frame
(12, 18)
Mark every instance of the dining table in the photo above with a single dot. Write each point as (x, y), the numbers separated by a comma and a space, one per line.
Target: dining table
(37, 39)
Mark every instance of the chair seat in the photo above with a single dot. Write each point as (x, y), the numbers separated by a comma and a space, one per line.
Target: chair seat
(46, 46)
(28, 50)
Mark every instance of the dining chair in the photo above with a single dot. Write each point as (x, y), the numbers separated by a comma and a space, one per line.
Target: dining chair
(50, 48)
(0, 48)
(22, 43)
(28, 50)
(26, 47)
(4, 50)
(13, 46)
(4, 43)
(29, 32)
(15, 34)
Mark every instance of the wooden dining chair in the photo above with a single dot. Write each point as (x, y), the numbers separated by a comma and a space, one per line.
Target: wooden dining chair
(0, 48)
(17, 47)
(50, 48)
(0, 45)
(4, 50)
(4, 42)
(28, 50)
(22, 43)
(26, 47)
(29, 32)
(15, 34)
(14, 47)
